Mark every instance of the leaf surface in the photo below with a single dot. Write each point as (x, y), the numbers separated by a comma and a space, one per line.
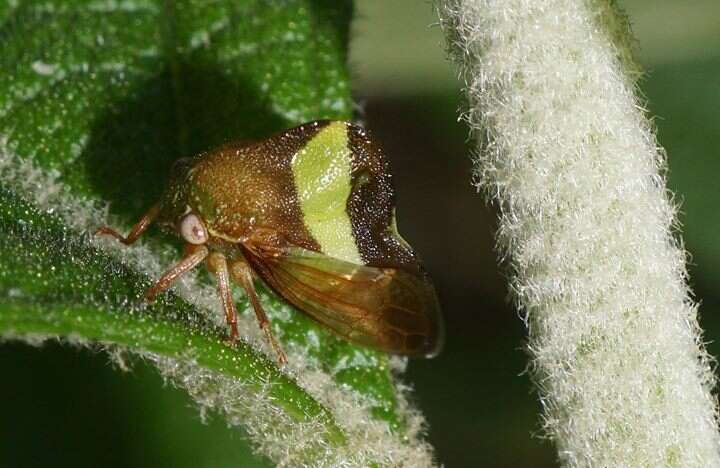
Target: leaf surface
(97, 100)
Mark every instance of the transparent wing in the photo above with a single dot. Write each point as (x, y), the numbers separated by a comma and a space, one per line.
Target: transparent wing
(389, 309)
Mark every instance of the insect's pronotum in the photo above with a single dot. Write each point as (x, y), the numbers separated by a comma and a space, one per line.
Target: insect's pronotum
(311, 212)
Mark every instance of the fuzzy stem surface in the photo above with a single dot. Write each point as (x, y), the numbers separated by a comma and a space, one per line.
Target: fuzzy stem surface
(587, 227)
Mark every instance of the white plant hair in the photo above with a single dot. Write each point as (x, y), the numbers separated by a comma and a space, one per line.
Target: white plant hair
(565, 150)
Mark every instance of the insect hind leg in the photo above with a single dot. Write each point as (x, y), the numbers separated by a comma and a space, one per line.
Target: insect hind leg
(241, 273)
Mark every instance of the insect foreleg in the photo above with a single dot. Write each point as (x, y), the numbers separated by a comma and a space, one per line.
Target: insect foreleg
(194, 254)
(217, 263)
(136, 230)
(241, 272)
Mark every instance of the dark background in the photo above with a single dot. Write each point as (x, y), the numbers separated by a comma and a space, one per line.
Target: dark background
(66, 406)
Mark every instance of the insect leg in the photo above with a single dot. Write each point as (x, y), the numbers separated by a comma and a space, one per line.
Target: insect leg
(217, 263)
(136, 230)
(194, 254)
(241, 272)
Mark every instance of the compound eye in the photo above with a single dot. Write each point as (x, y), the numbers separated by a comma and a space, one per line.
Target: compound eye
(193, 230)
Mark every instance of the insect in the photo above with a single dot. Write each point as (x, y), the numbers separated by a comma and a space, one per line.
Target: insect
(310, 211)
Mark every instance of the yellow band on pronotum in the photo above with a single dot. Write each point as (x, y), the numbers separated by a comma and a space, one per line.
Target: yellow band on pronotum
(321, 172)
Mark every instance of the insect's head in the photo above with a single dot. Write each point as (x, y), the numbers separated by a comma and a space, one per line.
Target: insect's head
(176, 216)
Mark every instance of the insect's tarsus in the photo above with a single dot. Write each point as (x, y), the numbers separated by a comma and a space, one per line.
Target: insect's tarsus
(136, 231)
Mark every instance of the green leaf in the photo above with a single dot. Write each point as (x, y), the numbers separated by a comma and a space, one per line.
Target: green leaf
(97, 100)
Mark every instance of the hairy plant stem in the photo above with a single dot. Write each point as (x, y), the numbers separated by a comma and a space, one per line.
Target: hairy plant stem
(587, 226)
